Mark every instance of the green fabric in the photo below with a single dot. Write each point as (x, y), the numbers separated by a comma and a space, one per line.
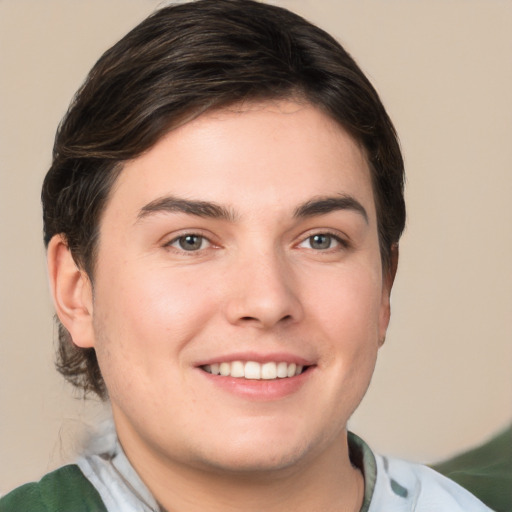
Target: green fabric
(362, 457)
(63, 490)
(485, 471)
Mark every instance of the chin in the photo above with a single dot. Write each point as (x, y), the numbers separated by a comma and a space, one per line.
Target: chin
(255, 454)
(261, 460)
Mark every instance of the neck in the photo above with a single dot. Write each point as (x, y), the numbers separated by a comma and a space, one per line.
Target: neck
(326, 482)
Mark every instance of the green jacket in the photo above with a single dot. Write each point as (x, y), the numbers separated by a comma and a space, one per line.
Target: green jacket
(486, 471)
(63, 490)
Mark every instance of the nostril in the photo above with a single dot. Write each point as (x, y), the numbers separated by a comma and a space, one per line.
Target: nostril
(253, 319)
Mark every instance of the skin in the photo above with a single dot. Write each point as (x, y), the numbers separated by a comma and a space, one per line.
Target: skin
(255, 285)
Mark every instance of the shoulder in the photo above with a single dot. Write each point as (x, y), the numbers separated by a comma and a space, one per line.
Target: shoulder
(405, 486)
(61, 490)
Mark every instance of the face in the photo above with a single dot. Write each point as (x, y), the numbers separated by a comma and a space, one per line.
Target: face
(238, 297)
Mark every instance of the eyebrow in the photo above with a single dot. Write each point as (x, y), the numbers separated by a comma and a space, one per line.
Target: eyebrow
(191, 207)
(207, 209)
(324, 205)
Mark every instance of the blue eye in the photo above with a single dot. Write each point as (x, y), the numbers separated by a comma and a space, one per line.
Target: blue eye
(189, 242)
(321, 242)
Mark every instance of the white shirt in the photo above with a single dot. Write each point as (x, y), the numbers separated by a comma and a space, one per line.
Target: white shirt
(391, 485)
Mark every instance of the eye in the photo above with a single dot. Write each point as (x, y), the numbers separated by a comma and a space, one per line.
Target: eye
(190, 243)
(322, 242)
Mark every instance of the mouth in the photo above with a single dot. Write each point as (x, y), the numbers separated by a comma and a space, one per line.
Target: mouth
(252, 370)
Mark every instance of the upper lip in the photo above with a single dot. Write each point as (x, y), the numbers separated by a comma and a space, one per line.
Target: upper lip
(261, 358)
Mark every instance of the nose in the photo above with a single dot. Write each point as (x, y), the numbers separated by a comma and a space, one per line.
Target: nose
(263, 292)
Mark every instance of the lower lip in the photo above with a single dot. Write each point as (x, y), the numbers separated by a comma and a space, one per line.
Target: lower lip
(262, 389)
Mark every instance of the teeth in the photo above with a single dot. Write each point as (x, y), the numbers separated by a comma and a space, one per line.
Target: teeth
(269, 371)
(282, 370)
(252, 370)
(225, 369)
(255, 371)
(237, 369)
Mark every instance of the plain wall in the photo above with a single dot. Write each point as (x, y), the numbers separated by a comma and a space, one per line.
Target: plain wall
(444, 70)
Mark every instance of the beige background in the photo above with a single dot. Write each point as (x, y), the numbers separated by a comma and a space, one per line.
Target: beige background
(444, 70)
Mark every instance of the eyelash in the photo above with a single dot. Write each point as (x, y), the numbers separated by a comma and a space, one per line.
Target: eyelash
(343, 243)
(182, 237)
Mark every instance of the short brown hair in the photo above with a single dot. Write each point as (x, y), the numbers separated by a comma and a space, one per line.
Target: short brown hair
(181, 61)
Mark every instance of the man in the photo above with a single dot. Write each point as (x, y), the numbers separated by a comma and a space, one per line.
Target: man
(222, 218)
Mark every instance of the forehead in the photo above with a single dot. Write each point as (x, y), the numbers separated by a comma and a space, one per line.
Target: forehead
(272, 154)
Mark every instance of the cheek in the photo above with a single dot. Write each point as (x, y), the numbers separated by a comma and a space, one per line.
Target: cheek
(349, 305)
(146, 300)
(144, 318)
(347, 315)
(345, 327)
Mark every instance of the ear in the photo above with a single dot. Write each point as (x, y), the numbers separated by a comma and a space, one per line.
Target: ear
(387, 284)
(72, 293)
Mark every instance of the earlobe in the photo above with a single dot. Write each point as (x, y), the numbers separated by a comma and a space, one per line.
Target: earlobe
(71, 291)
(387, 285)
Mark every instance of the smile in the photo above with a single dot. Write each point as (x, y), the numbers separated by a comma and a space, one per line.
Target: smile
(254, 370)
